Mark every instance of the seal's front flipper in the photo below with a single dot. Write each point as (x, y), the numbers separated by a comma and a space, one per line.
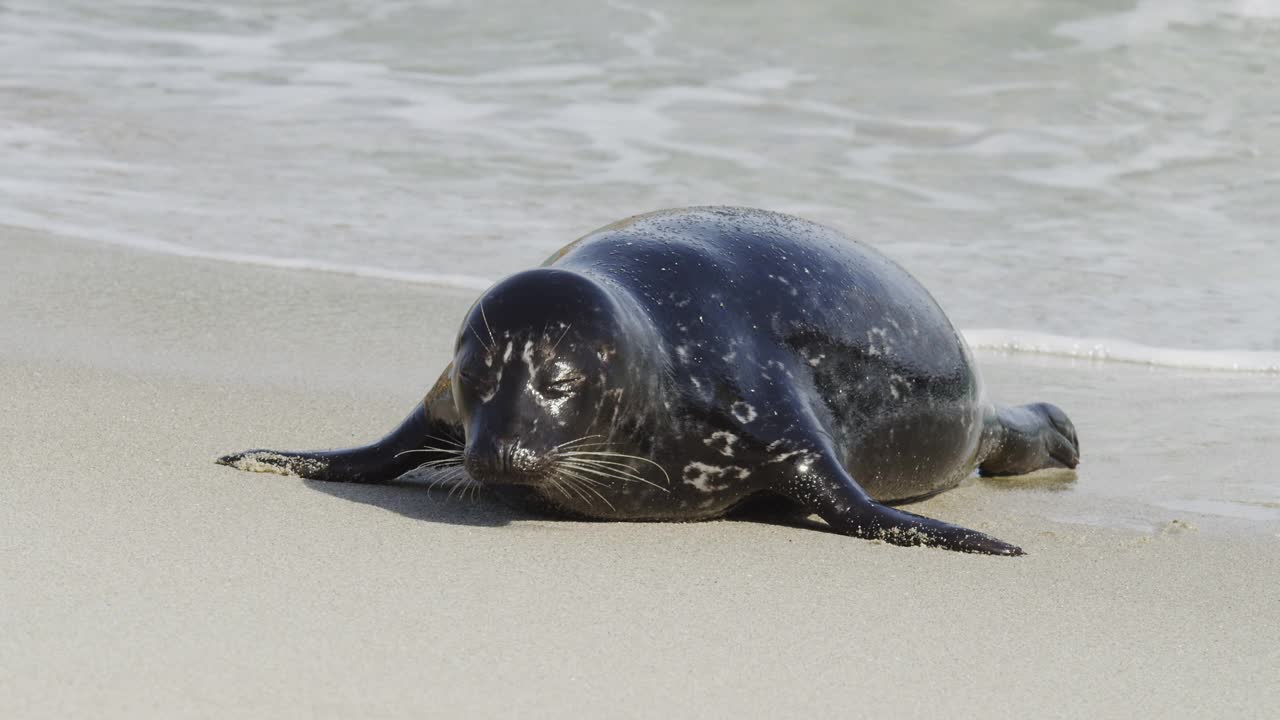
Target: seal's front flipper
(1027, 438)
(826, 487)
(384, 460)
(430, 434)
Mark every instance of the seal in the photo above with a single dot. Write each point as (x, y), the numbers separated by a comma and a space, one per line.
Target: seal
(673, 365)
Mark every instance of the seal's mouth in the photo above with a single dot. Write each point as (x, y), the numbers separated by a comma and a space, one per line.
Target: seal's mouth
(507, 464)
(583, 470)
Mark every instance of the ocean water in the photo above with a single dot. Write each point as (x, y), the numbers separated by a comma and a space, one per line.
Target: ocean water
(1096, 178)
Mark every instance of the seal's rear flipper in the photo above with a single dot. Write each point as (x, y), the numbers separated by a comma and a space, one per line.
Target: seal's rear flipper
(827, 488)
(419, 439)
(1027, 438)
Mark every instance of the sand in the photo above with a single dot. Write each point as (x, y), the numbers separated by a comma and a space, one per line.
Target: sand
(139, 579)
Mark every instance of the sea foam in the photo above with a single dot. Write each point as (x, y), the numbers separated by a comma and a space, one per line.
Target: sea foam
(1124, 351)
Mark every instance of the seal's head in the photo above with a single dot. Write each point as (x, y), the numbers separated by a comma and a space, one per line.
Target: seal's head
(536, 368)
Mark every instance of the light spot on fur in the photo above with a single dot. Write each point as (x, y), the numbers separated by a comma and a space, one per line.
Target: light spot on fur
(527, 356)
(744, 412)
(783, 457)
(497, 382)
(682, 352)
(722, 442)
(784, 450)
(786, 282)
(710, 478)
(895, 381)
(878, 342)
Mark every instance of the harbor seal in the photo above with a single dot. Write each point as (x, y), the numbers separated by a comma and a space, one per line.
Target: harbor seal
(673, 365)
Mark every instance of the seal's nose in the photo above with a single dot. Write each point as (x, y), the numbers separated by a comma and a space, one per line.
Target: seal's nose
(501, 460)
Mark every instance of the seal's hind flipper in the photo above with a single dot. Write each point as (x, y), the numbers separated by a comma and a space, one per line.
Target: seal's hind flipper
(1027, 438)
(824, 486)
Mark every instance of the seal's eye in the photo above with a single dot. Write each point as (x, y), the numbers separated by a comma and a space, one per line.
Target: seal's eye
(562, 386)
(479, 382)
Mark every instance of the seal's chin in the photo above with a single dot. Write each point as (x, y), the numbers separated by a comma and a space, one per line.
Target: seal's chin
(501, 471)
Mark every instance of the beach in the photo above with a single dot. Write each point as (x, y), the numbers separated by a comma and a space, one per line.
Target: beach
(138, 578)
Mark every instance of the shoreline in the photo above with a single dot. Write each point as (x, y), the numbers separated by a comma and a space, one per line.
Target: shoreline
(140, 577)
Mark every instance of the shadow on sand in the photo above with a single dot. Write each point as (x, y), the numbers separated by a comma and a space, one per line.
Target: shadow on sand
(414, 497)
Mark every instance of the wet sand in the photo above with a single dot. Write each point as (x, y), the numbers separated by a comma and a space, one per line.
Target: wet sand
(138, 578)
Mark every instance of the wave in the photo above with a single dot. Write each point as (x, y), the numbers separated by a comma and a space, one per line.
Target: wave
(1123, 351)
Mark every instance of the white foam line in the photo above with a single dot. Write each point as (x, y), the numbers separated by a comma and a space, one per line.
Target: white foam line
(1112, 350)
(452, 280)
(19, 218)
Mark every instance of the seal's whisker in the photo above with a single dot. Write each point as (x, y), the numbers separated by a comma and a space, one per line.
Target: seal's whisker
(458, 487)
(585, 487)
(605, 463)
(448, 477)
(615, 475)
(593, 444)
(448, 467)
(446, 462)
(576, 487)
(484, 345)
(554, 485)
(577, 440)
(589, 487)
(566, 332)
(456, 442)
(558, 485)
(610, 472)
(577, 472)
(488, 327)
(443, 460)
(579, 484)
(445, 476)
(451, 472)
(606, 453)
(430, 450)
(464, 484)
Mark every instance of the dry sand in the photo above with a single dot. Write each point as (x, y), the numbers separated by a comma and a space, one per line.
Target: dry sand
(139, 579)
